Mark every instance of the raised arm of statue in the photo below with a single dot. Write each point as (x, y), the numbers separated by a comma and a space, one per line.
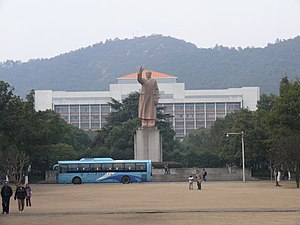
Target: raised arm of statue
(139, 76)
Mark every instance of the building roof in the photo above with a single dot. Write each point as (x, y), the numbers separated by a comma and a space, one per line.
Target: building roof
(154, 75)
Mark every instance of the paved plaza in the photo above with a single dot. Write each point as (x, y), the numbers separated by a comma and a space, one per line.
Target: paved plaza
(160, 203)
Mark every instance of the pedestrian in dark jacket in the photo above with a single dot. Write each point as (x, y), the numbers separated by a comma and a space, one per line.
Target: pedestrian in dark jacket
(6, 193)
(204, 175)
(20, 195)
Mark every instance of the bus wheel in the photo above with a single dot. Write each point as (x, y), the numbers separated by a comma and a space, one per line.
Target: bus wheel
(76, 180)
(126, 180)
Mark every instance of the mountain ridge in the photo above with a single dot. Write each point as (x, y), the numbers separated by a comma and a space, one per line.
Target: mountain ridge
(95, 67)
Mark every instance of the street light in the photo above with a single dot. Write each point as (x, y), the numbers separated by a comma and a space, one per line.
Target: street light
(243, 151)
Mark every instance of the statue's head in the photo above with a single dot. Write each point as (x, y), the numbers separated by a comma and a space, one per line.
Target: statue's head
(148, 74)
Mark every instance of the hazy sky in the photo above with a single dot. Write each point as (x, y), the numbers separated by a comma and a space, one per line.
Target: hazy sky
(33, 29)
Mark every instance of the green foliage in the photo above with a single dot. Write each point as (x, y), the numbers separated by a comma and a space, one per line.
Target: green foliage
(42, 136)
(61, 151)
(283, 122)
(212, 148)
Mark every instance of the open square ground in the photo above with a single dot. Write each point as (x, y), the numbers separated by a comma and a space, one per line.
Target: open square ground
(160, 203)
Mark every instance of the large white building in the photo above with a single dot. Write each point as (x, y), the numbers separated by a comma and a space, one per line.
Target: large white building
(191, 108)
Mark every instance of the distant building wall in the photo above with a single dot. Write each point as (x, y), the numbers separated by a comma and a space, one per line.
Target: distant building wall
(191, 109)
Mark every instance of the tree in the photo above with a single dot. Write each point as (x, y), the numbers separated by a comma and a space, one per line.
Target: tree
(196, 149)
(285, 150)
(33, 134)
(15, 165)
(283, 121)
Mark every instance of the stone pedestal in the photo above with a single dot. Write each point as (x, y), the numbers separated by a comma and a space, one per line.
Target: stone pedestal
(148, 145)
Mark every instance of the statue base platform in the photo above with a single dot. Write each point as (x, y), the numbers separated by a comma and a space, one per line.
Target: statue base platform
(148, 144)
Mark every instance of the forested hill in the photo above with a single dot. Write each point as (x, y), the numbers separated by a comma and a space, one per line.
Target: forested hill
(95, 67)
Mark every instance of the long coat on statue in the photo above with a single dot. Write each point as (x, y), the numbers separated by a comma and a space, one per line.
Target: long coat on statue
(148, 98)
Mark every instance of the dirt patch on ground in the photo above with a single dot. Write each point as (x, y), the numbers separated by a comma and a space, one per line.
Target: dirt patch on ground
(160, 203)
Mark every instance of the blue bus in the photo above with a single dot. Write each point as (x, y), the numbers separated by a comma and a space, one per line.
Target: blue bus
(103, 170)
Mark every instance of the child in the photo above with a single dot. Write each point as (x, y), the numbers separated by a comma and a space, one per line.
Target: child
(191, 181)
(28, 195)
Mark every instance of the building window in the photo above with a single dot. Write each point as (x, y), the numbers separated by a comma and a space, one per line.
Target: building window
(210, 115)
(189, 123)
(233, 106)
(179, 107)
(179, 123)
(105, 108)
(210, 107)
(189, 115)
(220, 107)
(95, 125)
(84, 117)
(95, 117)
(84, 108)
(200, 107)
(95, 108)
(61, 108)
(200, 124)
(84, 126)
(200, 115)
(178, 115)
(74, 108)
(189, 107)
(74, 117)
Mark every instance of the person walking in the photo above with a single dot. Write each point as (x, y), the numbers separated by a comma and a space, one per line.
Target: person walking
(28, 195)
(204, 175)
(191, 182)
(166, 167)
(6, 193)
(20, 194)
(199, 181)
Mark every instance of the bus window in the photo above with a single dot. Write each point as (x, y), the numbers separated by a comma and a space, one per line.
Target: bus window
(129, 166)
(72, 167)
(84, 167)
(141, 167)
(62, 168)
(107, 167)
(95, 167)
(118, 166)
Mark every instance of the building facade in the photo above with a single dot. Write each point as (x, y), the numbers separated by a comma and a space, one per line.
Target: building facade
(191, 109)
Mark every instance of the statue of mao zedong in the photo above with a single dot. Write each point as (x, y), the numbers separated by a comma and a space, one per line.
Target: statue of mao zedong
(148, 99)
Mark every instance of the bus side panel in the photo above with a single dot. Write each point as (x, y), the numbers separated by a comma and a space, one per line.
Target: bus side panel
(65, 178)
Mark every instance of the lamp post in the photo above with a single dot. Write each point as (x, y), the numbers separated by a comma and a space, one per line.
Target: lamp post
(243, 151)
